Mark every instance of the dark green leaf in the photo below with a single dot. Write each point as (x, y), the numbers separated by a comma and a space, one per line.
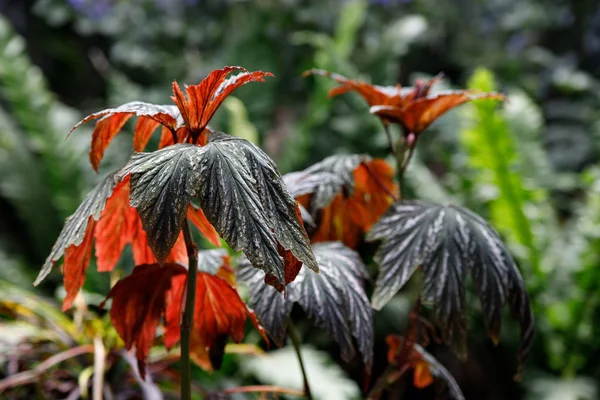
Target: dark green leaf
(75, 226)
(269, 305)
(334, 299)
(161, 187)
(448, 243)
(325, 179)
(243, 196)
(237, 186)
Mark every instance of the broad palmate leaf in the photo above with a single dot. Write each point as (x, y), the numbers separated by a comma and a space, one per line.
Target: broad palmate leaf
(334, 299)
(325, 179)
(447, 243)
(240, 191)
(76, 226)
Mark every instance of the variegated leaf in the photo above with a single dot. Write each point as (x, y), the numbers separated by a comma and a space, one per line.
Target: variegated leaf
(243, 196)
(325, 179)
(270, 306)
(161, 187)
(239, 189)
(448, 243)
(74, 230)
(334, 299)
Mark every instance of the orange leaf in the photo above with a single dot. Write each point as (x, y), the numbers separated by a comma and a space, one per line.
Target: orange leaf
(105, 130)
(144, 128)
(77, 259)
(200, 102)
(166, 136)
(197, 217)
(115, 229)
(347, 218)
(422, 375)
(142, 254)
(139, 303)
(218, 312)
(394, 343)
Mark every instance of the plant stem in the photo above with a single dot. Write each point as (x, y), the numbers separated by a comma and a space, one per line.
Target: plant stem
(188, 314)
(397, 156)
(293, 333)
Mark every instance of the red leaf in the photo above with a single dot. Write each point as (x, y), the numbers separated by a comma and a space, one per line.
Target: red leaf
(144, 129)
(417, 115)
(142, 254)
(115, 229)
(197, 217)
(348, 218)
(77, 259)
(202, 100)
(412, 107)
(112, 120)
(139, 303)
(103, 133)
(166, 136)
(218, 311)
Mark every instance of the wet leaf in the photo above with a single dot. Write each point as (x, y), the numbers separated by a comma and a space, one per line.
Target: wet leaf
(76, 226)
(112, 120)
(334, 300)
(240, 192)
(162, 185)
(244, 198)
(345, 195)
(120, 225)
(448, 243)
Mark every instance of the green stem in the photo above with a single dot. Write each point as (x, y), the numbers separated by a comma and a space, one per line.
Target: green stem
(293, 333)
(397, 156)
(188, 314)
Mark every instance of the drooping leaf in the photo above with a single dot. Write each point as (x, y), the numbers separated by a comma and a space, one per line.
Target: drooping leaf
(162, 184)
(448, 243)
(139, 302)
(219, 312)
(239, 190)
(144, 129)
(75, 229)
(77, 259)
(424, 365)
(112, 120)
(203, 99)
(243, 196)
(345, 195)
(120, 225)
(344, 311)
(270, 306)
(334, 299)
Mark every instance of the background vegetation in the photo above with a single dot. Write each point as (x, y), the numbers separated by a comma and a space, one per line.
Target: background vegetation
(532, 169)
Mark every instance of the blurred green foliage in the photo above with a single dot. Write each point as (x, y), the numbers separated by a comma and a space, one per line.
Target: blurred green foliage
(530, 167)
